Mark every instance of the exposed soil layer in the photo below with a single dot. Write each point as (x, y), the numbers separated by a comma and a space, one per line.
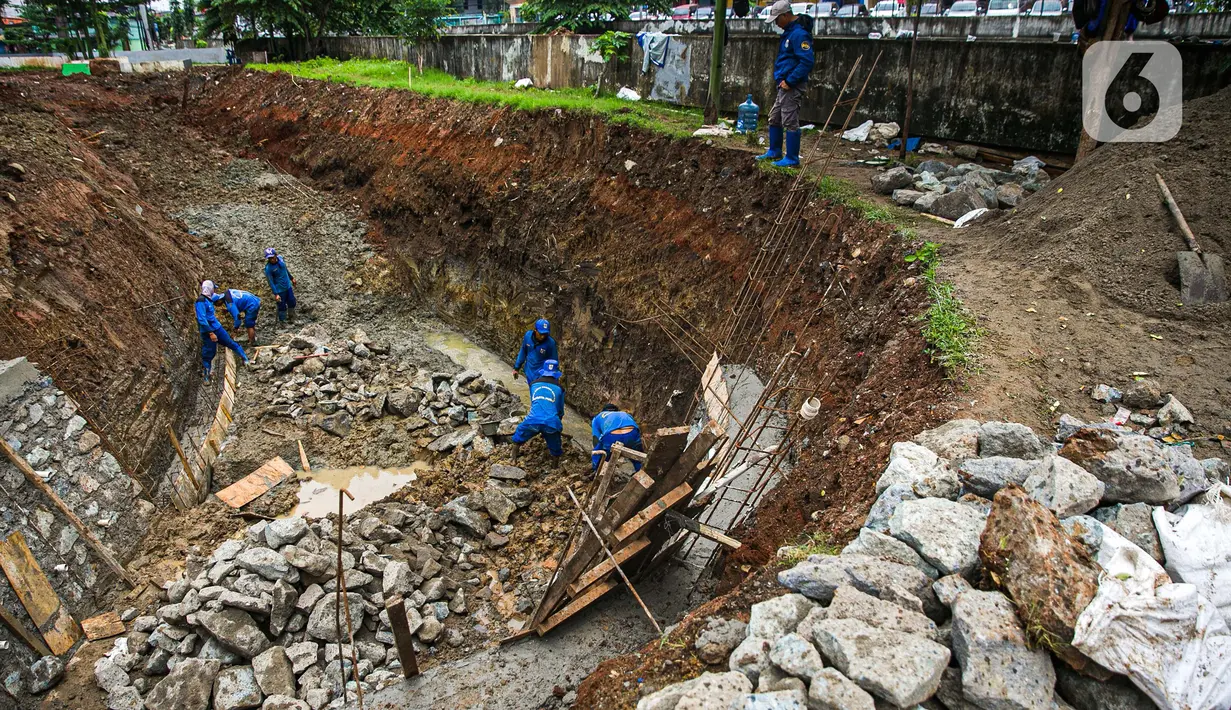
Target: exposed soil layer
(95, 283)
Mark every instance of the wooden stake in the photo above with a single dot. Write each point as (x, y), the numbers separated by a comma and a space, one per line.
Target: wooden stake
(303, 457)
(183, 459)
(106, 555)
(396, 606)
(612, 559)
(705, 531)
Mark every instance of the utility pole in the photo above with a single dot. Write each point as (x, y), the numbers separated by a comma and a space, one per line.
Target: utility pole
(1113, 30)
(712, 108)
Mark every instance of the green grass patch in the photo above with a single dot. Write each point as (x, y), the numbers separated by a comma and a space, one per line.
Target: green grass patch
(389, 74)
(949, 328)
(843, 192)
(816, 543)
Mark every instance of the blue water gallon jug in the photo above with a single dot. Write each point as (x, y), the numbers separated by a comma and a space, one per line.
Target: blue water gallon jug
(746, 120)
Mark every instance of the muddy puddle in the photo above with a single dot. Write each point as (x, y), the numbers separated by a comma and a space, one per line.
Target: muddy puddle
(466, 353)
(318, 490)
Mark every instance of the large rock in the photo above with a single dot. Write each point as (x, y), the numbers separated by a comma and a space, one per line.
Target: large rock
(788, 699)
(1013, 440)
(999, 670)
(906, 198)
(1050, 577)
(282, 607)
(719, 637)
(714, 690)
(892, 179)
(944, 533)
(830, 690)
(796, 655)
(819, 577)
(187, 687)
(285, 531)
(902, 668)
(1141, 394)
(399, 579)
(774, 618)
(957, 203)
(274, 672)
(235, 630)
(456, 512)
(321, 622)
(314, 564)
(45, 672)
(1009, 195)
(235, 689)
(751, 657)
(1063, 487)
(265, 562)
(850, 603)
(886, 503)
(873, 544)
(303, 655)
(1134, 468)
(955, 440)
(926, 473)
(1135, 524)
(985, 476)
(339, 423)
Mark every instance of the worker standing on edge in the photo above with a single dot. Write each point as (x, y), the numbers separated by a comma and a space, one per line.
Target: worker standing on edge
(795, 60)
(537, 347)
(282, 284)
(546, 417)
(237, 302)
(212, 331)
(611, 426)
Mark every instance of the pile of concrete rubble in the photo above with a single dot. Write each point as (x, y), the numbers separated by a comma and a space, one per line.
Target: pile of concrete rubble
(253, 625)
(335, 383)
(967, 585)
(935, 187)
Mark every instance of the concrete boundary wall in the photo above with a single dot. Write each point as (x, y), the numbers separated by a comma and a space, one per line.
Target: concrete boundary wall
(1010, 93)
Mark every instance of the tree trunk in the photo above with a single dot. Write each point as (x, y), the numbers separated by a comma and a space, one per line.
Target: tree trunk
(100, 32)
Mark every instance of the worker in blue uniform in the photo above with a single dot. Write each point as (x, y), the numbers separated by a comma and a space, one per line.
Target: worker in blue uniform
(238, 301)
(282, 284)
(212, 332)
(546, 416)
(791, 69)
(537, 347)
(611, 426)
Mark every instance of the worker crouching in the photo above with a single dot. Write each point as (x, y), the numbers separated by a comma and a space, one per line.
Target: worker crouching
(546, 416)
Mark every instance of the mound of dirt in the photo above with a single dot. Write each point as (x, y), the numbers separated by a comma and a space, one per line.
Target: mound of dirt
(1106, 221)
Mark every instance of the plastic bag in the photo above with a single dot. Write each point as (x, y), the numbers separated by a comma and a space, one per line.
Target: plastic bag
(627, 94)
(523, 83)
(1167, 638)
(1198, 547)
(859, 133)
(969, 217)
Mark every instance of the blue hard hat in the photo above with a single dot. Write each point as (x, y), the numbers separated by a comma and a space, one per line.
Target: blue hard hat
(551, 368)
(542, 326)
(270, 252)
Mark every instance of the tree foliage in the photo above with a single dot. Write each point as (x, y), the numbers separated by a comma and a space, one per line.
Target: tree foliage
(575, 15)
(79, 28)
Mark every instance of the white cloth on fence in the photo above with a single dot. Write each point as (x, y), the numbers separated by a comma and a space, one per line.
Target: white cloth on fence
(654, 49)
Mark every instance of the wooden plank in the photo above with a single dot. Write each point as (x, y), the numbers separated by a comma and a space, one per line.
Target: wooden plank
(103, 626)
(705, 531)
(303, 457)
(715, 393)
(575, 606)
(598, 499)
(42, 603)
(656, 509)
(179, 450)
(395, 605)
(605, 567)
(19, 629)
(91, 539)
(246, 489)
(622, 450)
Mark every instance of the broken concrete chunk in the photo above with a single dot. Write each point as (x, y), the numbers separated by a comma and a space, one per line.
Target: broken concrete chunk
(902, 668)
(236, 689)
(188, 687)
(873, 544)
(985, 476)
(944, 533)
(714, 690)
(265, 562)
(954, 440)
(236, 630)
(882, 510)
(274, 672)
(1134, 468)
(999, 670)
(850, 603)
(718, 638)
(949, 588)
(796, 655)
(916, 466)
(774, 618)
(830, 690)
(1013, 440)
(1063, 487)
(751, 657)
(321, 623)
(819, 577)
(791, 699)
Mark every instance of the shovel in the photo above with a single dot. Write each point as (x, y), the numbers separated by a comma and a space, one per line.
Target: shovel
(1202, 278)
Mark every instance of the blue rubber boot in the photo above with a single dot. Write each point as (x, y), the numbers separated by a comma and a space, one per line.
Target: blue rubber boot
(775, 144)
(792, 151)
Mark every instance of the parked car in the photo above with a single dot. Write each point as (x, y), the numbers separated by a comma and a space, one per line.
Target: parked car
(682, 12)
(929, 9)
(1001, 8)
(703, 13)
(888, 8)
(824, 9)
(852, 10)
(963, 8)
(1045, 8)
(802, 8)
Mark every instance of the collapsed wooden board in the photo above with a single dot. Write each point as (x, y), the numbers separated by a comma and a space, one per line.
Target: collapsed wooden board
(42, 603)
(103, 626)
(246, 489)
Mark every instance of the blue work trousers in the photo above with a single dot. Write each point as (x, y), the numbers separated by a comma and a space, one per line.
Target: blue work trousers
(550, 433)
(209, 348)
